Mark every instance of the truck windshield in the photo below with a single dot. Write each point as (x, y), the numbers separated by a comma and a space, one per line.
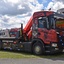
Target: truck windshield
(12, 33)
(42, 22)
(2, 33)
(51, 21)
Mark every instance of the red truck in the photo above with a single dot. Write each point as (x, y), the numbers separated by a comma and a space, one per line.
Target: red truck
(44, 33)
(14, 32)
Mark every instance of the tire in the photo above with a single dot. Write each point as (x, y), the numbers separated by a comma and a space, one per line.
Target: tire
(38, 48)
(0, 45)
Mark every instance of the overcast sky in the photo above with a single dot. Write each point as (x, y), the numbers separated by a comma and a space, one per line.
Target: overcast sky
(15, 12)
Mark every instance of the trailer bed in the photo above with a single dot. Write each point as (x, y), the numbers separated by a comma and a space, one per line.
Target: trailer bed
(7, 38)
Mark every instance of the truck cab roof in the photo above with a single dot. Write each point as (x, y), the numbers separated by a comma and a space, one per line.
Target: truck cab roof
(47, 13)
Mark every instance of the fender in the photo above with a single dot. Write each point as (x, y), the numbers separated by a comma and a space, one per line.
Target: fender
(35, 40)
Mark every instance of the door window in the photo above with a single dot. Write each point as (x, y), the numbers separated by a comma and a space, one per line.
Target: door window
(42, 22)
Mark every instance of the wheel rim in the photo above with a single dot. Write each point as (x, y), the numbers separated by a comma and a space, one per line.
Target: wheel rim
(37, 49)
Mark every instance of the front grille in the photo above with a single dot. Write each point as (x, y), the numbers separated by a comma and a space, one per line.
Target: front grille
(61, 40)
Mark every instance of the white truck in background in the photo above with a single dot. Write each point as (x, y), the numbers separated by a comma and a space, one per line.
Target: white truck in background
(4, 33)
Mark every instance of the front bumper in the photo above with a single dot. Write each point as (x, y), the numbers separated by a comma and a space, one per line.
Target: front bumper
(56, 49)
(53, 49)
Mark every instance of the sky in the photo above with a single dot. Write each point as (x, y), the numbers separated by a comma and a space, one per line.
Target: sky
(15, 12)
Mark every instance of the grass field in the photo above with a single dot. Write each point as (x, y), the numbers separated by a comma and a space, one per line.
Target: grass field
(18, 55)
(9, 54)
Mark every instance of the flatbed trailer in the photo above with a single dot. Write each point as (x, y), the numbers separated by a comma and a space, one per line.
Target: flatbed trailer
(13, 43)
(8, 38)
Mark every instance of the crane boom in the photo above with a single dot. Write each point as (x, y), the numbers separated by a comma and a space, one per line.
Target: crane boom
(28, 26)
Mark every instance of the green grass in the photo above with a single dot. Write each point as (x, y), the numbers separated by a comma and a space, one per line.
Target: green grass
(18, 55)
(8, 54)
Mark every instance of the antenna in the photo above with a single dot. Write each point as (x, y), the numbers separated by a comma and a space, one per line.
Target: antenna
(49, 9)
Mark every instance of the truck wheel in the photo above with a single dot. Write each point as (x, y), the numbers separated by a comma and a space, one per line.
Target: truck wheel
(0, 45)
(37, 49)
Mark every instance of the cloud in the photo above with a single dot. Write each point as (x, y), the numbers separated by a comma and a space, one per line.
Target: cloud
(58, 1)
(11, 22)
(50, 5)
(8, 7)
(55, 5)
(16, 7)
(15, 12)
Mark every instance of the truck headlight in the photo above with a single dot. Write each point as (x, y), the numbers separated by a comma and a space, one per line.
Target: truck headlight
(57, 32)
(54, 45)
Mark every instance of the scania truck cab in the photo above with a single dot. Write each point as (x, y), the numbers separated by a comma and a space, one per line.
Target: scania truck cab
(48, 27)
